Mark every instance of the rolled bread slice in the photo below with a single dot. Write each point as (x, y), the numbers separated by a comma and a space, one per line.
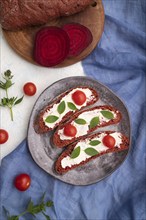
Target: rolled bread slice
(89, 148)
(62, 108)
(18, 14)
(85, 122)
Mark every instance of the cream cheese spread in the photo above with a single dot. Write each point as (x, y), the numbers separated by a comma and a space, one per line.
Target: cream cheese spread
(67, 98)
(83, 129)
(84, 144)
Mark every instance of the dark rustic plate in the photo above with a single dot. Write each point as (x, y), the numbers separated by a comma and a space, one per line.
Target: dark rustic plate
(46, 154)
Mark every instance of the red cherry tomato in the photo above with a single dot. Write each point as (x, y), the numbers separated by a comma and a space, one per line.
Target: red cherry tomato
(109, 141)
(22, 182)
(3, 136)
(79, 97)
(70, 130)
(29, 89)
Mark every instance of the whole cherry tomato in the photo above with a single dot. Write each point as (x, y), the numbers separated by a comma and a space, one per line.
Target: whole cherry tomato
(22, 182)
(29, 89)
(3, 136)
(79, 97)
(70, 130)
(109, 141)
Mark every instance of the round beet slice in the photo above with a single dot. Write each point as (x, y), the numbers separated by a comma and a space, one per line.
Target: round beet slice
(51, 46)
(80, 38)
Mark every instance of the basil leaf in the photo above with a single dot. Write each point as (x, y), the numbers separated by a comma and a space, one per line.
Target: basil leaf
(94, 143)
(43, 197)
(8, 84)
(19, 100)
(32, 209)
(91, 151)
(61, 107)
(75, 153)
(80, 121)
(36, 209)
(14, 217)
(51, 119)
(71, 106)
(4, 101)
(49, 203)
(8, 75)
(107, 114)
(94, 122)
(30, 206)
(2, 85)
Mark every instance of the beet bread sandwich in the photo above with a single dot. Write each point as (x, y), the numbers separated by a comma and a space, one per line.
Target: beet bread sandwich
(83, 123)
(89, 148)
(18, 14)
(61, 108)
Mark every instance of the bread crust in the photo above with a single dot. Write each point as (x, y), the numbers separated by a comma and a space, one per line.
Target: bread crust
(39, 124)
(61, 143)
(18, 14)
(60, 170)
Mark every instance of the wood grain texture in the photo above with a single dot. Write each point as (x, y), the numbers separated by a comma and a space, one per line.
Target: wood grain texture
(93, 18)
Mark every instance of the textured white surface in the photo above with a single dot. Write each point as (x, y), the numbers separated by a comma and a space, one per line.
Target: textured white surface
(23, 72)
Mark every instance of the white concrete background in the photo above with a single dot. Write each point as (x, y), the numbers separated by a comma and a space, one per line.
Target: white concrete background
(23, 72)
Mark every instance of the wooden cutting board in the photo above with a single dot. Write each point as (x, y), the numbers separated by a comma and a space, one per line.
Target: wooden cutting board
(93, 18)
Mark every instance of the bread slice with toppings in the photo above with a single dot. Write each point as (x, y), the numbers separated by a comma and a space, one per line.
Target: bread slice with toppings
(63, 107)
(85, 122)
(91, 147)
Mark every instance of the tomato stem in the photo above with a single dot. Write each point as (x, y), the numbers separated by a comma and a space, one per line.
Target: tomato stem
(11, 113)
(23, 213)
(7, 93)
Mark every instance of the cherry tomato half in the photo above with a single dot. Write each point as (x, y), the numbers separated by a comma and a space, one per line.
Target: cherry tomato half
(22, 182)
(3, 136)
(109, 141)
(70, 130)
(79, 97)
(29, 89)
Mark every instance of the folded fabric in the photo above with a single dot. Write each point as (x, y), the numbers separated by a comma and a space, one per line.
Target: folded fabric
(119, 62)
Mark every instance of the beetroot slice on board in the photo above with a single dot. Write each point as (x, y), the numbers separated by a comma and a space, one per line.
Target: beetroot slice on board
(51, 46)
(80, 38)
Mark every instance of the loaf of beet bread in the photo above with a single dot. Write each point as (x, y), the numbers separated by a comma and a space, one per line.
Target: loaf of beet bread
(85, 122)
(89, 148)
(61, 108)
(18, 14)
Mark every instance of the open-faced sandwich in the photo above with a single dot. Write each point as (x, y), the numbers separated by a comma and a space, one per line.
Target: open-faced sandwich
(64, 106)
(89, 148)
(85, 122)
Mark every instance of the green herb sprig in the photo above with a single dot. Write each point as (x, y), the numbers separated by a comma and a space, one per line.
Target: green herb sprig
(32, 209)
(7, 101)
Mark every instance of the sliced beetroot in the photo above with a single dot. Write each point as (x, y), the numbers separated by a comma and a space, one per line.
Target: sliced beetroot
(51, 46)
(80, 38)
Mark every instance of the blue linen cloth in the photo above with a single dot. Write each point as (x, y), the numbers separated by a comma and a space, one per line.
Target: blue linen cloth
(119, 62)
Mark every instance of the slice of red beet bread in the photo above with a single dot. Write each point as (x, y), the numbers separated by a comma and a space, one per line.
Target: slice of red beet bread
(85, 122)
(63, 107)
(89, 148)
